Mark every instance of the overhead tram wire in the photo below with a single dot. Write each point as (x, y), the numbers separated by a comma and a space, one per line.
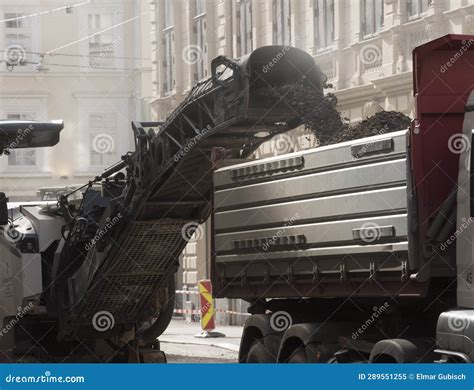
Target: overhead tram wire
(53, 51)
(70, 66)
(79, 55)
(49, 52)
(67, 7)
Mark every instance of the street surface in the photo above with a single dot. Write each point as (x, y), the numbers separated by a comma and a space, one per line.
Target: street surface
(180, 345)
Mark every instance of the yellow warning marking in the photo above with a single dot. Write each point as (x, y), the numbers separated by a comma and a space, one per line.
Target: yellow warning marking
(207, 310)
(206, 318)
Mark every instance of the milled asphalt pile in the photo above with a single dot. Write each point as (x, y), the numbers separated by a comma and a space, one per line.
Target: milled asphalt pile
(380, 123)
(320, 115)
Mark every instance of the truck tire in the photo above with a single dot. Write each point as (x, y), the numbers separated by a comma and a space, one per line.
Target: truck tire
(259, 354)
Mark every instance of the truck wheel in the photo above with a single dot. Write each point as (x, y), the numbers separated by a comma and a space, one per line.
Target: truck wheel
(259, 354)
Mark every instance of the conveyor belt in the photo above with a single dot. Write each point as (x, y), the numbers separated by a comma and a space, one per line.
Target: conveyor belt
(170, 179)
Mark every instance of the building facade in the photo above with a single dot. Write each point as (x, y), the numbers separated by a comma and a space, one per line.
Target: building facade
(363, 46)
(86, 63)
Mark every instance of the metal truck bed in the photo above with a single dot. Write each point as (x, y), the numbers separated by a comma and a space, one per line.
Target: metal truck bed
(330, 221)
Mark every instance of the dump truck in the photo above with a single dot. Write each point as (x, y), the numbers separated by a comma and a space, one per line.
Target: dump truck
(361, 251)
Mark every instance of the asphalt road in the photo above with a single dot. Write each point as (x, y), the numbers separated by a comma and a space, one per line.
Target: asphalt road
(181, 346)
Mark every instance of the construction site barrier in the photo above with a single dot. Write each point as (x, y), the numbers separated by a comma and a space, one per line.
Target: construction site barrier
(198, 312)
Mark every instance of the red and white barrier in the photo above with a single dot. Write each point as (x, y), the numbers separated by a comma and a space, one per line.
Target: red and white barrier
(198, 312)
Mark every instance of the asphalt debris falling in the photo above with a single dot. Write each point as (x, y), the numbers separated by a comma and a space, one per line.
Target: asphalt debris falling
(320, 115)
(317, 112)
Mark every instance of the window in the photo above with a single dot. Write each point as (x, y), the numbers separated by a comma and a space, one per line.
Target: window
(372, 16)
(168, 46)
(281, 22)
(199, 27)
(244, 27)
(21, 158)
(416, 8)
(102, 44)
(18, 39)
(324, 23)
(102, 135)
